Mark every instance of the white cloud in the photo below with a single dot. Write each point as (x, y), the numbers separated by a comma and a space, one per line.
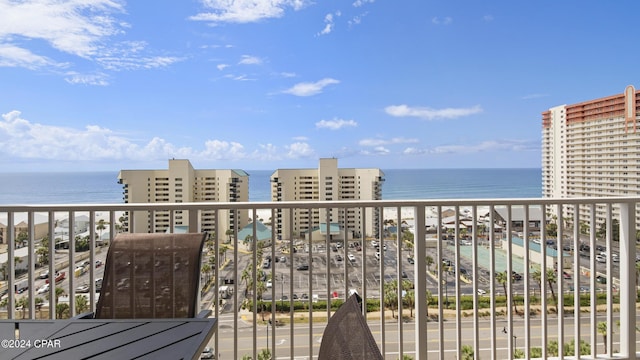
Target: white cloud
(288, 74)
(22, 139)
(245, 11)
(335, 124)
(130, 55)
(442, 21)
(357, 19)
(309, 89)
(485, 146)
(99, 79)
(329, 24)
(223, 150)
(222, 66)
(431, 114)
(250, 60)
(359, 3)
(74, 27)
(13, 56)
(242, 77)
(82, 28)
(379, 142)
(266, 152)
(300, 150)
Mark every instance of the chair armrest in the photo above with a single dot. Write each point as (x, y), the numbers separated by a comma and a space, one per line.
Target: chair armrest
(87, 315)
(203, 314)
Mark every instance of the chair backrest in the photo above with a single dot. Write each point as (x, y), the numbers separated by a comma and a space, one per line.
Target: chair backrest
(347, 335)
(151, 276)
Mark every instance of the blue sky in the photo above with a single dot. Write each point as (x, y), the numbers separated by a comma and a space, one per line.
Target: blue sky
(107, 84)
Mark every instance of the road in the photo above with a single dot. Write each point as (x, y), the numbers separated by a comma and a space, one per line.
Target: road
(301, 337)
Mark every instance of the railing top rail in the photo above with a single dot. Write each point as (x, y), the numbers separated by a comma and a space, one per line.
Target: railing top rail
(303, 204)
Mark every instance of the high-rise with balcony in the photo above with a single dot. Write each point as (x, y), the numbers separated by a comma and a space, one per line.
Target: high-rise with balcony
(326, 183)
(182, 183)
(592, 149)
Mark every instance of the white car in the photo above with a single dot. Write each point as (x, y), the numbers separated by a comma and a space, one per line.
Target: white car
(269, 284)
(43, 289)
(374, 243)
(601, 259)
(481, 292)
(351, 257)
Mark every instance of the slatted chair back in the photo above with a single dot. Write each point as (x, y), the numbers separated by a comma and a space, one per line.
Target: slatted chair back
(151, 276)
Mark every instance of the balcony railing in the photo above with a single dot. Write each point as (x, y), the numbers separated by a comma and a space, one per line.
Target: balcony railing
(437, 286)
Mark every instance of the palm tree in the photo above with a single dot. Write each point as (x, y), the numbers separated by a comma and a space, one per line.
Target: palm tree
(537, 277)
(82, 304)
(502, 279)
(205, 270)
(248, 239)
(391, 296)
(38, 302)
(247, 277)
(551, 279)
(264, 354)
(59, 293)
(429, 296)
(467, 352)
(429, 261)
(223, 252)
(229, 232)
(62, 310)
(410, 300)
(602, 329)
(23, 303)
(43, 255)
(101, 226)
(261, 287)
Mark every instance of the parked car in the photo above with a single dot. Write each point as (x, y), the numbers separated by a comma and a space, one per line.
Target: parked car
(481, 292)
(601, 259)
(59, 276)
(351, 257)
(410, 260)
(84, 288)
(207, 353)
(43, 289)
(303, 267)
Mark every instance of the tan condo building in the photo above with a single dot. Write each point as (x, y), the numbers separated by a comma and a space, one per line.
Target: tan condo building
(592, 149)
(327, 182)
(182, 183)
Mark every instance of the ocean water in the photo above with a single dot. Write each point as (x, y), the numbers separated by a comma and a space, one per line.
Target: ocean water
(103, 187)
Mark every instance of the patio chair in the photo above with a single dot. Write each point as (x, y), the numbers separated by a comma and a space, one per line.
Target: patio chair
(151, 276)
(347, 335)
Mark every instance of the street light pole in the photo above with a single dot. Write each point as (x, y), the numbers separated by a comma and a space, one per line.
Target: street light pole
(446, 288)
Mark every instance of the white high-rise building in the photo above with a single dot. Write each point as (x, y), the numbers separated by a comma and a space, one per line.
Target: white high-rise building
(327, 182)
(182, 183)
(592, 149)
